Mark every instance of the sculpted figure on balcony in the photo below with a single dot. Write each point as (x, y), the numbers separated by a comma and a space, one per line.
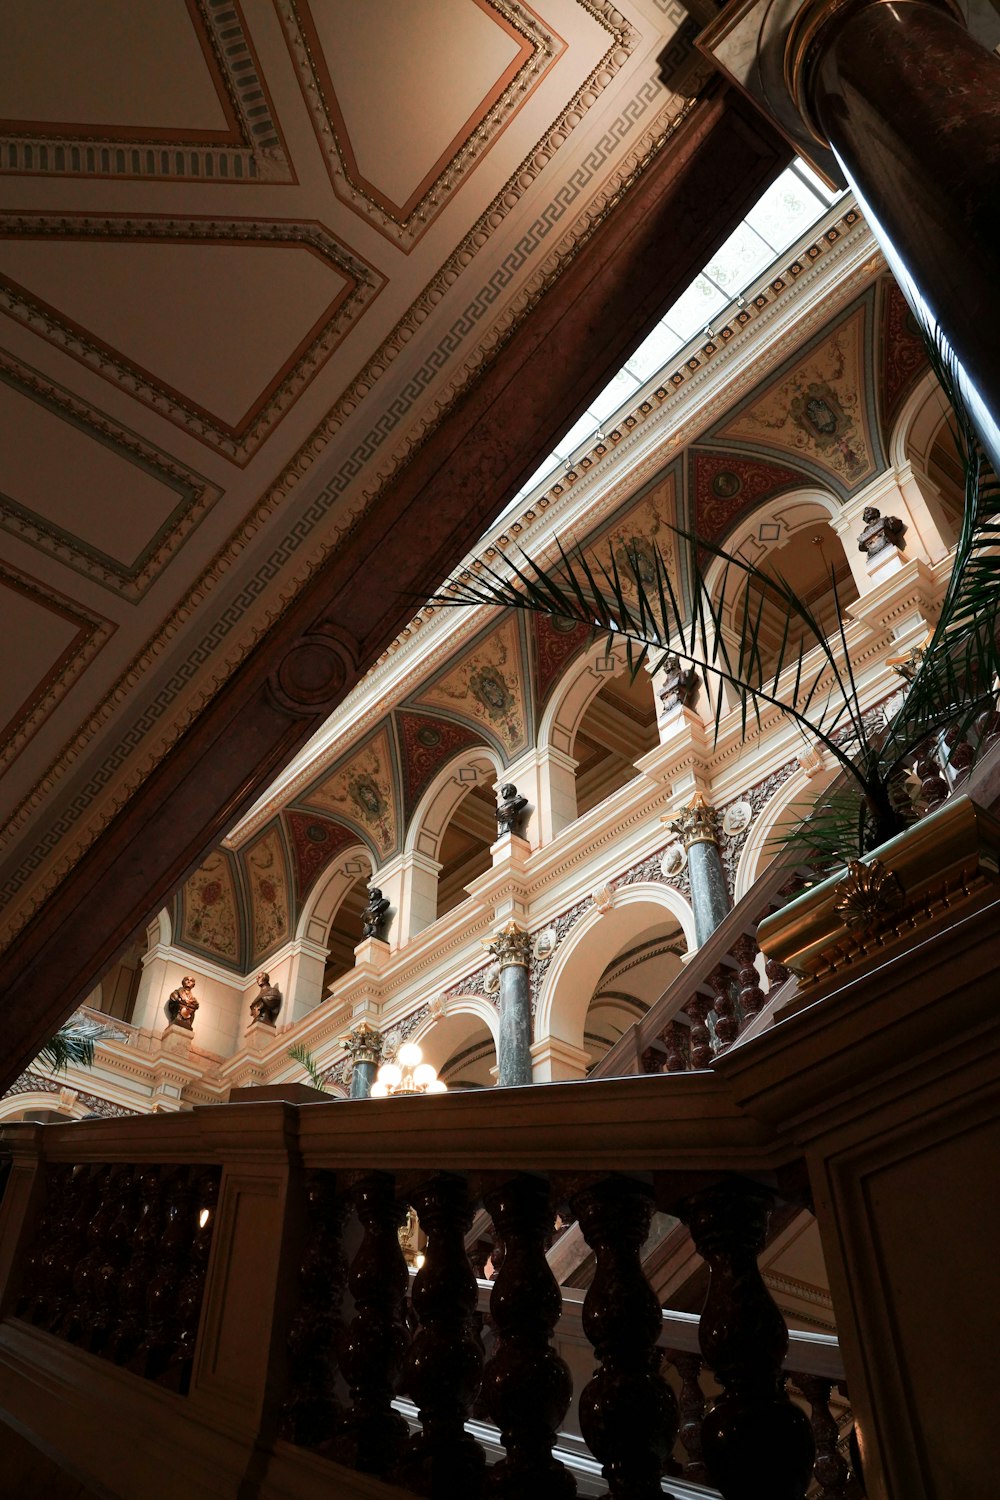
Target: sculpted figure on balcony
(181, 1004)
(679, 684)
(265, 1005)
(510, 810)
(880, 532)
(375, 917)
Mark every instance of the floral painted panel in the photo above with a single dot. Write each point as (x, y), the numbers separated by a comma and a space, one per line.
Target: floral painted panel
(488, 687)
(211, 919)
(361, 791)
(267, 875)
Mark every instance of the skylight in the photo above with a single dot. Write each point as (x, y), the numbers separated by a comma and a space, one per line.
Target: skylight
(793, 203)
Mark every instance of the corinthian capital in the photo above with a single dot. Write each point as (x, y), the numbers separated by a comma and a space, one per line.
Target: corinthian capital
(363, 1044)
(511, 945)
(697, 824)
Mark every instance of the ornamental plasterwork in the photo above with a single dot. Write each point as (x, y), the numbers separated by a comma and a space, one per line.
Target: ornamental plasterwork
(538, 47)
(361, 791)
(488, 687)
(267, 874)
(363, 283)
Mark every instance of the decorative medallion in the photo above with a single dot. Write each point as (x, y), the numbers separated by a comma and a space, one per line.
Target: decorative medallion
(556, 643)
(487, 686)
(314, 843)
(868, 894)
(672, 862)
(736, 818)
(725, 486)
(425, 745)
(361, 792)
(209, 908)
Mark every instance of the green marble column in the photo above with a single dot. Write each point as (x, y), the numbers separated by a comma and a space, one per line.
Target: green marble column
(512, 949)
(697, 828)
(363, 1046)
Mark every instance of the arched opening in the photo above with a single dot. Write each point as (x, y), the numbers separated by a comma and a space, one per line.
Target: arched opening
(463, 1049)
(945, 469)
(618, 725)
(345, 931)
(634, 948)
(464, 849)
(813, 561)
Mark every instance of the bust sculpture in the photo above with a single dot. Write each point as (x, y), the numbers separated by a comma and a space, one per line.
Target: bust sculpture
(181, 1004)
(880, 532)
(266, 1004)
(375, 917)
(679, 684)
(510, 809)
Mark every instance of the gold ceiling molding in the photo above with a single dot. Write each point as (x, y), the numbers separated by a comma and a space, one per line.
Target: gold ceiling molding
(195, 494)
(360, 285)
(287, 573)
(251, 149)
(92, 632)
(406, 223)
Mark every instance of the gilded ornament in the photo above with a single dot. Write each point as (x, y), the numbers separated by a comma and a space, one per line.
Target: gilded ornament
(867, 894)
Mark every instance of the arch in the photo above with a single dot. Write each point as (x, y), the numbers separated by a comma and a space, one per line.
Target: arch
(768, 527)
(756, 854)
(468, 1020)
(574, 692)
(596, 939)
(923, 447)
(160, 930)
(15, 1106)
(324, 899)
(470, 767)
(918, 423)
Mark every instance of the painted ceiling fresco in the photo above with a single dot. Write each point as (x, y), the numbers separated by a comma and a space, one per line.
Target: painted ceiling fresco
(363, 792)
(724, 486)
(488, 687)
(211, 910)
(270, 913)
(902, 355)
(425, 744)
(314, 843)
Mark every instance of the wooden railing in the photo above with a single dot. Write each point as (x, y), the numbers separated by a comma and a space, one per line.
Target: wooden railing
(243, 1264)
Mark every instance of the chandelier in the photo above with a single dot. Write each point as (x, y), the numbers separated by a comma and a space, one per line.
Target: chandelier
(409, 1074)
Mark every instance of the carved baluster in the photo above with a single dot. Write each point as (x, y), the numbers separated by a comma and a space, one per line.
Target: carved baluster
(933, 785)
(675, 1039)
(692, 1412)
(187, 1310)
(960, 752)
(832, 1473)
(757, 1445)
(114, 1252)
(37, 1274)
(776, 973)
(527, 1387)
(174, 1248)
(727, 1026)
(311, 1410)
(70, 1250)
(82, 1325)
(628, 1413)
(987, 725)
(127, 1335)
(651, 1060)
(443, 1368)
(745, 951)
(371, 1354)
(701, 1038)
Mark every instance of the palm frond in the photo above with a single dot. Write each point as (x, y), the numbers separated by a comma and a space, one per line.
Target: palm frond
(301, 1054)
(68, 1047)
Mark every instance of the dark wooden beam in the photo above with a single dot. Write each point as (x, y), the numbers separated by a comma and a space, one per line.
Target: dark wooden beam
(582, 330)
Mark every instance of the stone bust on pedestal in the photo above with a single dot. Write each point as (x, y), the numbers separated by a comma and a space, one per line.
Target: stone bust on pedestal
(181, 1004)
(266, 1004)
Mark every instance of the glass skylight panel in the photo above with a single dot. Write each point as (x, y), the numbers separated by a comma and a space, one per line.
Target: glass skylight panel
(739, 260)
(614, 394)
(692, 311)
(653, 353)
(584, 427)
(785, 211)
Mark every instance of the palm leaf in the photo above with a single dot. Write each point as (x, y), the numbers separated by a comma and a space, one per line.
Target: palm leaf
(68, 1048)
(301, 1054)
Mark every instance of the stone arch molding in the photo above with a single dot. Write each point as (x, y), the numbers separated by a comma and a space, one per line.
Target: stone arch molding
(756, 854)
(435, 1028)
(574, 692)
(767, 528)
(329, 891)
(14, 1106)
(590, 946)
(918, 424)
(469, 768)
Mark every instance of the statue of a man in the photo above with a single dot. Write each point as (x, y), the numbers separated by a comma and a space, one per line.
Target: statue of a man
(181, 1004)
(679, 684)
(265, 1006)
(880, 532)
(510, 810)
(375, 917)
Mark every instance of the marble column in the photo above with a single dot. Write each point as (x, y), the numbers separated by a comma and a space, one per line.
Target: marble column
(909, 102)
(512, 949)
(697, 828)
(363, 1046)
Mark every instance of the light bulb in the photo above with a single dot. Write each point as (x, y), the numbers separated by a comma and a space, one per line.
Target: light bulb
(424, 1075)
(437, 1087)
(204, 1217)
(379, 1090)
(409, 1055)
(389, 1073)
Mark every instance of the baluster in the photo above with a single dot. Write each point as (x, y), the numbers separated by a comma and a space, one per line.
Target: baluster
(987, 725)
(81, 1325)
(757, 1445)
(727, 1026)
(187, 1310)
(651, 1060)
(174, 1248)
(960, 752)
(527, 1386)
(310, 1412)
(131, 1323)
(371, 1433)
(692, 1412)
(675, 1039)
(114, 1256)
(37, 1277)
(933, 785)
(832, 1473)
(700, 1040)
(628, 1413)
(745, 951)
(443, 1368)
(70, 1250)
(776, 973)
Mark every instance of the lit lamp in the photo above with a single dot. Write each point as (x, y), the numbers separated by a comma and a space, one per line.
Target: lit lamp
(409, 1074)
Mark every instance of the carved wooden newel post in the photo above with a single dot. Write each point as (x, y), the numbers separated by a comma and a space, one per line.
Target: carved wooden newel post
(372, 1432)
(756, 1444)
(527, 1386)
(628, 1413)
(443, 1370)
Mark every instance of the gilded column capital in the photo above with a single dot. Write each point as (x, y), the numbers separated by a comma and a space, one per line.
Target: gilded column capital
(363, 1044)
(697, 824)
(510, 946)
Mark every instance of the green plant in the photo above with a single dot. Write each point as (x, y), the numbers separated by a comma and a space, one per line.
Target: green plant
(809, 679)
(301, 1054)
(69, 1046)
